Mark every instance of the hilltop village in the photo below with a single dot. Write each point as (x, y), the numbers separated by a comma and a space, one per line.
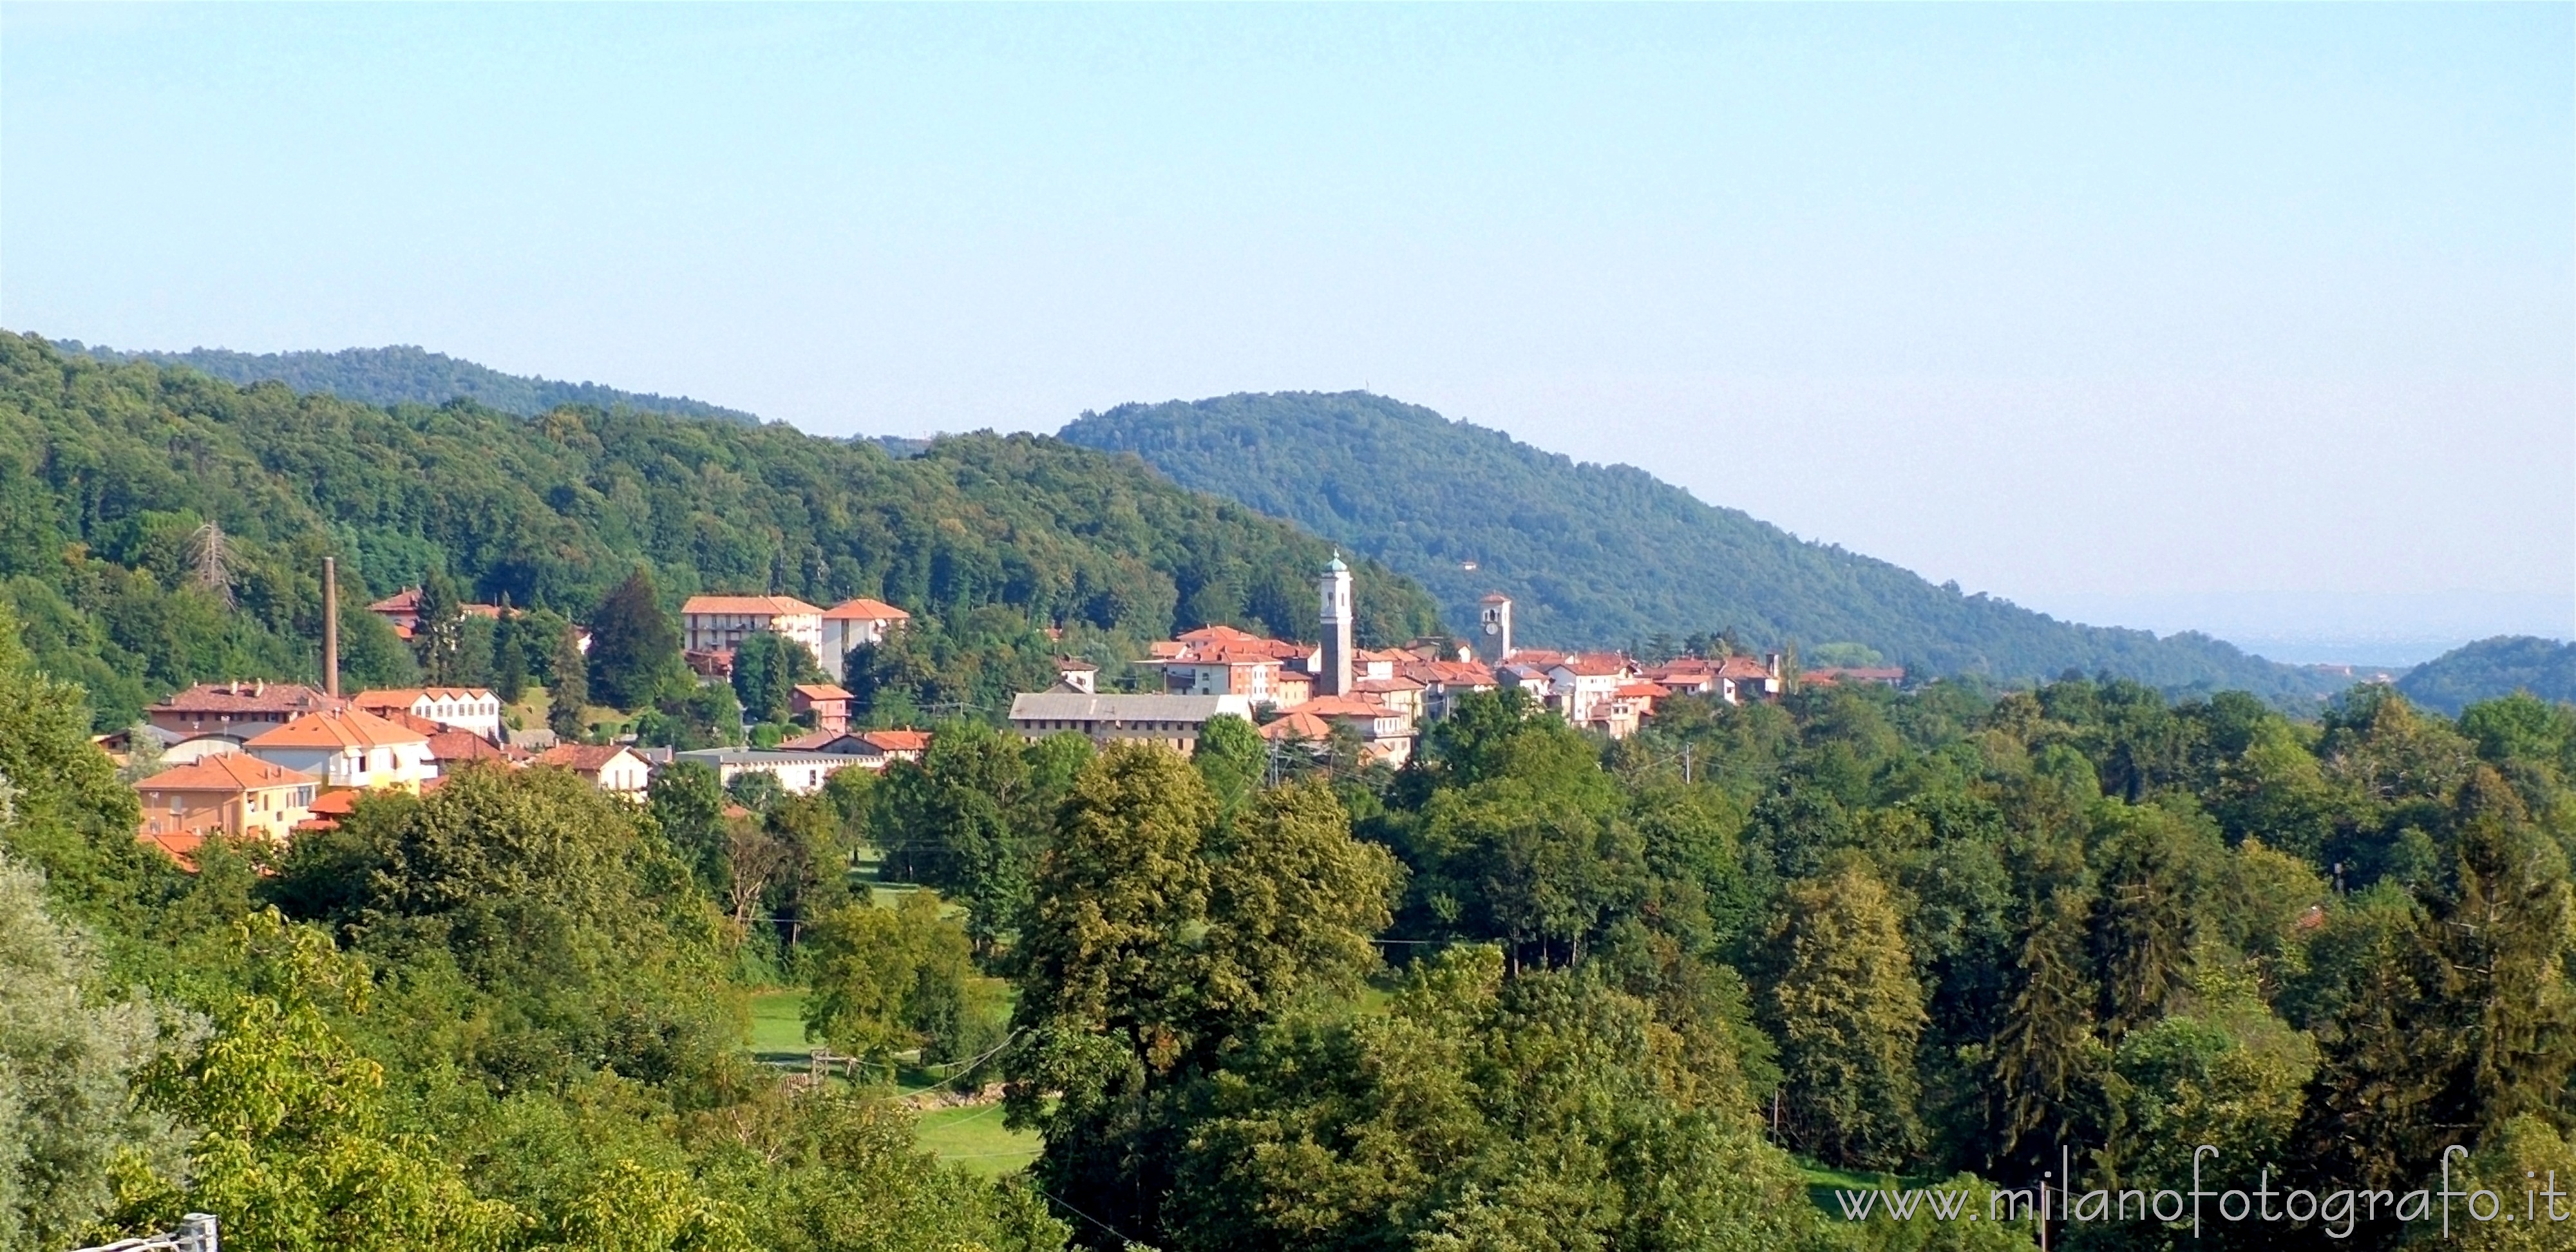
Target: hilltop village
(267, 759)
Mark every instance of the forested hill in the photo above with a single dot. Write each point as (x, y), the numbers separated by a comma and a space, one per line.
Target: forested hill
(407, 375)
(2491, 668)
(1609, 555)
(108, 471)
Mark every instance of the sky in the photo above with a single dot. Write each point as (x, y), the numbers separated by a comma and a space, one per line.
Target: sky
(2254, 319)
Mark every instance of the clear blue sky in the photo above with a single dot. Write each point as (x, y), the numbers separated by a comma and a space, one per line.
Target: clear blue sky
(2111, 309)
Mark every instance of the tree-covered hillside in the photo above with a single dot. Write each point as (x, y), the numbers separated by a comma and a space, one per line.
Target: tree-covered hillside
(109, 472)
(1609, 555)
(2493, 667)
(403, 374)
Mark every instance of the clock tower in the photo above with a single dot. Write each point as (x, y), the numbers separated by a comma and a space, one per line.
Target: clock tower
(1494, 614)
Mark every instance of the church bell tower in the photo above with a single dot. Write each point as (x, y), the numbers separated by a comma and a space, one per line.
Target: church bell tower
(1336, 588)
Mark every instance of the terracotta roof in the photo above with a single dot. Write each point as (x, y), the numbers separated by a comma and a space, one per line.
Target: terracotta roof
(227, 772)
(897, 740)
(1398, 683)
(451, 744)
(246, 697)
(406, 600)
(822, 691)
(1215, 634)
(1342, 706)
(813, 740)
(1649, 691)
(1539, 657)
(1590, 667)
(580, 758)
(1298, 724)
(412, 721)
(771, 606)
(1742, 667)
(181, 845)
(867, 610)
(404, 697)
(344, 728)
(1495, 598)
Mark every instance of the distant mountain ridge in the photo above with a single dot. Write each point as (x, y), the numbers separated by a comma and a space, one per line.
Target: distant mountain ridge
(402, 374)
(1608, 554)
(2490, 668)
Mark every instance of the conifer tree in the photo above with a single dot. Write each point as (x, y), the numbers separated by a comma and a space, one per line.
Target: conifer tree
(634, 646)
(2047, 1058)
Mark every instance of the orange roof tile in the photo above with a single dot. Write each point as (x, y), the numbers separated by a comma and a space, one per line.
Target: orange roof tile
(1297, 724)
(770, 606)
(181, 845)
(1742, 667)
(822, 691)
(246, 697)
(343, 728)
(226, 772)
(864, 609)
(1215, 633)
(580, 758)
(451, 744)
(1628, 691)
(897, 740)
(1342, 706)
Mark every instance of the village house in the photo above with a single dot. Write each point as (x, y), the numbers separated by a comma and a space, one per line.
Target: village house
(1386, 734)
(472, 709)
(1741, 678)
(853, 623)
(824, 706)
(238, 709)
(719, 624)
(401, 610)
(1074, 675)
(451, 749)
(613, 768)
(1579, 684)
(800, 773)
(867, 749)
(232, 794)
(349, 748)
(1174, 721)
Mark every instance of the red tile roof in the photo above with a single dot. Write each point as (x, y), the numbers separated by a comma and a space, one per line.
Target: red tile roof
(375, 698)
(866, 610)
(181, 845)
(1742, 667)
(580, 758)
(246, 697)
(1342, 706)
(450, 744)
(344, 728)
(227, 772)
(1298, 724)
(896, 740)
(1216, 634)
(822, 691)
(758, 606)
(1630, 691)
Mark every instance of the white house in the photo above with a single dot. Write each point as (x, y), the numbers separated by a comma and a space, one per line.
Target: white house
(612, 768)
(464, 708)
(852, 623)
(349, 748)
(721, 623)
(801, 773)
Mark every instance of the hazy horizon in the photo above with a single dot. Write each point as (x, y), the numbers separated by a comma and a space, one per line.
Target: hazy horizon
(2258, 321)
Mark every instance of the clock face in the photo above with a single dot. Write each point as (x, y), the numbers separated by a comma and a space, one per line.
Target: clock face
(1493, 628)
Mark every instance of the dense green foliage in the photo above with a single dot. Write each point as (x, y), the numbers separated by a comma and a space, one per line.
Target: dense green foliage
(2490, 668)
(409, 375)
(497, 1018)
(109, 472)
(1607, 555)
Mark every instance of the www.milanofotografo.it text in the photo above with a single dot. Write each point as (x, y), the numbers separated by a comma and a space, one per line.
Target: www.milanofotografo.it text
(2057, 1197)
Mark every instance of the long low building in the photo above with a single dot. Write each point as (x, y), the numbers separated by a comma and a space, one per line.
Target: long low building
(1169, 720)
(802, 773)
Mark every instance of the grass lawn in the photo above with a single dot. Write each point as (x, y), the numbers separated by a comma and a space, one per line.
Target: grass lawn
(973, 1136)
(778, 1025)
(1823, 1182)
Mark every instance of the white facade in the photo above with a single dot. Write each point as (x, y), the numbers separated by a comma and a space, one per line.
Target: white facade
(800, 773)
(1335, 594)
(721, 623)
(403, 765)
